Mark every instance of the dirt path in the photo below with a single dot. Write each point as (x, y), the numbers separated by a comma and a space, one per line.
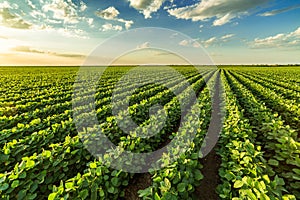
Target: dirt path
(207, 189)
(211, 162)
(139, 182)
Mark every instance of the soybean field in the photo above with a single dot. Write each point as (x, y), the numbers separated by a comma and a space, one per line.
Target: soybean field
(256, 156)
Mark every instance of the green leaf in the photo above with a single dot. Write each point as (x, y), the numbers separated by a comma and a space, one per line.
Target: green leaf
(115, 181)
(288, 197)
(156, 196)
(157, 179)
(238, 184)
(194, 156)
(146, 192)
(32, 197)
(2, 178)
(30, 164)
(264, 197)
(181, 187)
(4, 157)
(46, 154)
(22, 194)
(84, 194)
(4, 186)
(68, 150)
(167, 183)
(15, 183)
(266, 178)
(131, 147)
(198, 175)
(279, 181)
(93, 165)
(52, 196)
(101, 193)
(94, 195)
(98, 171)
(297, 171)
(69, 185)
(22, 175)
(111, 190)
(34, 186)
(250, 194)
(229, 176)
(273, 162)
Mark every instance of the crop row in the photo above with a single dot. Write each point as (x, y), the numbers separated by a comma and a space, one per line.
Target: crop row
(279, 141)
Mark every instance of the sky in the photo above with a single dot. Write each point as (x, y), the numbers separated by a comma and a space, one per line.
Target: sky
(67, 32)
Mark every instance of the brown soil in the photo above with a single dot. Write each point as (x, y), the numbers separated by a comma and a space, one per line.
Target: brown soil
(211, 164)
(139, 182)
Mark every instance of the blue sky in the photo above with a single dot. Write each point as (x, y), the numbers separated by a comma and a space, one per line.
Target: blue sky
(64, 32)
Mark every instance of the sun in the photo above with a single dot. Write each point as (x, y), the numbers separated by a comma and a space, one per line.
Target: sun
(6, 45)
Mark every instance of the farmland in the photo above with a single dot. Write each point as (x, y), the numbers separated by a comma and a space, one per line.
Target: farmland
(42, 155)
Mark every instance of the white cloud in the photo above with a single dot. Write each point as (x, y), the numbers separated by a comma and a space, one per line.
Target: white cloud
(52, 21)
(190, 43)
(223, 20)
(72, 33)
(147, 7)
(30, 4)
(170, 6)
(227, 36)
(127, 23)
(45, 16)
(111, 13)
(109, 27)
(291, 39)
(279, 11)
(196, 44)
(65, 32)
(222, 11)
(6, 4)
(83, 6)
(201, 27)
(62, 10)
(184, 43)
(206, 43)
(90, 22)
(143, 46)
(209, 42)
(11, 19)
(37, 14)
(50, 13)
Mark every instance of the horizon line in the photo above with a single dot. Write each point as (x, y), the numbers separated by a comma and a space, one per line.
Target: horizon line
(120, 65)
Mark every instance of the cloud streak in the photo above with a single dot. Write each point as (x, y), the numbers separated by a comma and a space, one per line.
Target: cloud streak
(109, 27)
(3, 37)
(288, 40)
(27, 49)
(196, 43)
(221, 11)
(279, 11)
(143, 46)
